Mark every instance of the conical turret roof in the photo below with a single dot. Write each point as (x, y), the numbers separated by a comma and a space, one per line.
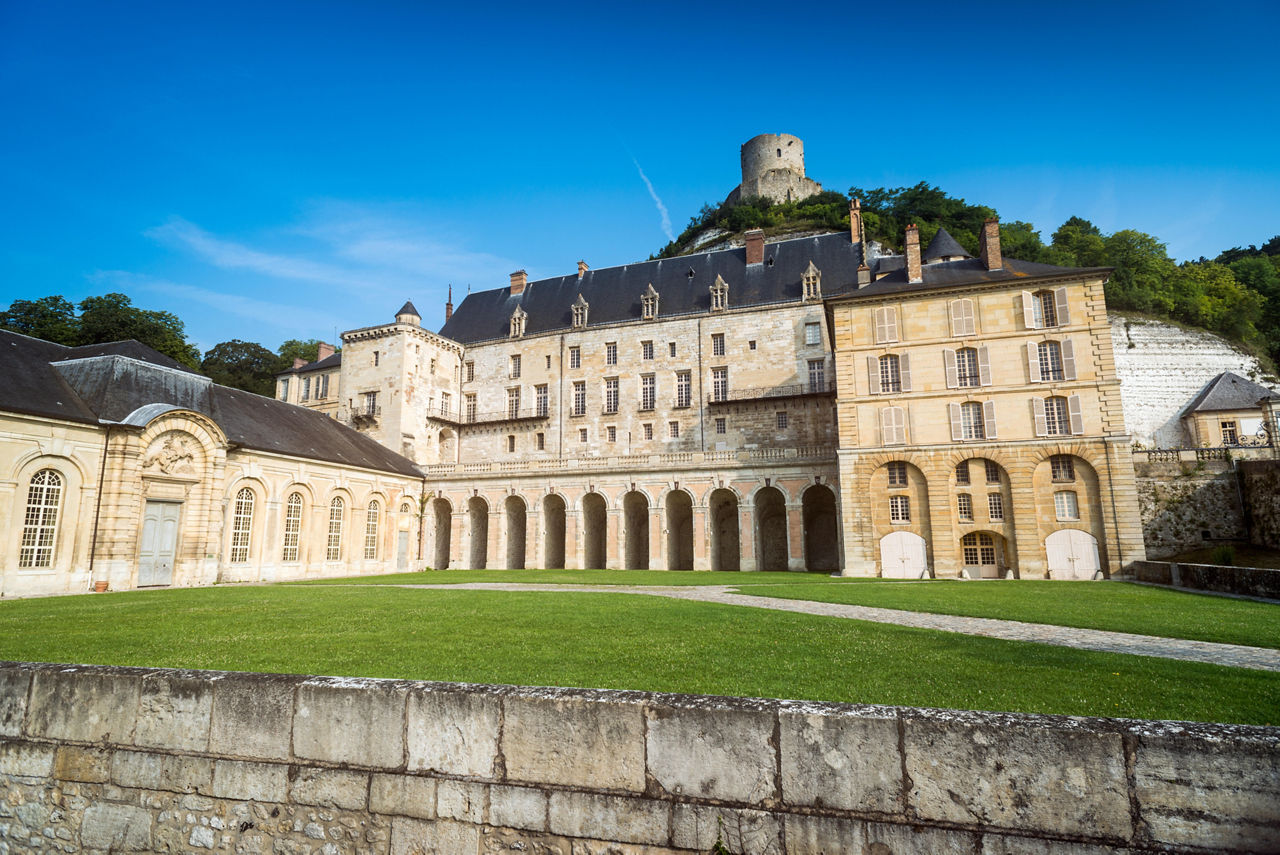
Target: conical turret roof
(409, 309)
(944, 245)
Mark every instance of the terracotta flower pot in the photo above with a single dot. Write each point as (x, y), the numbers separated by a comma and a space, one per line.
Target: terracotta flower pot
(99, 587)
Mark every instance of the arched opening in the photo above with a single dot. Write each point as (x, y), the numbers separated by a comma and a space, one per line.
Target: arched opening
(982, 554)
(725, 548)
(821, 531)
(514, 511)
(679, 530)
(443, 532)
(635, 510)
(771, 529)
(595, 523)
(448, 446)
(553, 532)
(903, 555)
(1073, 554)
(478, 517)
(1069, 499)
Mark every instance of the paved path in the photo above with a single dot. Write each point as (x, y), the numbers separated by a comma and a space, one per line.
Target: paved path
(1234, 655)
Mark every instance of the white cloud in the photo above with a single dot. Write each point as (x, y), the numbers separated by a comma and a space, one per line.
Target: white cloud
(662, 209)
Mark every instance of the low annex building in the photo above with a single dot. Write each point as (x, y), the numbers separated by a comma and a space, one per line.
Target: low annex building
(119, 467)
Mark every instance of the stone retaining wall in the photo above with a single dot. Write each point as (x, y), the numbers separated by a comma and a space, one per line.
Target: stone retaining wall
(1246, 581)
(123, 759)
(1260, 480)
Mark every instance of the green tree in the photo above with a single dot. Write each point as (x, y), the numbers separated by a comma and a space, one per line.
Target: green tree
(1142, 267)
(294, 348)
(1079, 243)
(113, 317)
(242, 365)
(49, 318)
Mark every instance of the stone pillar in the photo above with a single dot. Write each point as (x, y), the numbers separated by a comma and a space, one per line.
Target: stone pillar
(574, 546)
(657, 537)
(459, 538)
(943, 534)
(1026, 523)
(701, 537)
(615, 539)
(795, 536)
(747, 537)
(860, 549)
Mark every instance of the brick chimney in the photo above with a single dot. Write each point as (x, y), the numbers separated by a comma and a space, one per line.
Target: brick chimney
(298, 362)
(914, 275)
(855, 221)
(448, 304)
(582, 269)
(989, 244)
(755, 246)
(324, 351)
(518, 280)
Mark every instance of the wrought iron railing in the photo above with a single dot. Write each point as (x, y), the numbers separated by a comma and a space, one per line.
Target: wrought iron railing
(794, 390)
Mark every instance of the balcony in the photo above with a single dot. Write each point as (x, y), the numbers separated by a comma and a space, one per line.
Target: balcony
(760, 393)
(467, 417)
(361, 417)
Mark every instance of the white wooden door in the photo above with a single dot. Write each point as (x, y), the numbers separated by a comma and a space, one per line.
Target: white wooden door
(402, 550)
(902, 556)
(159, 543)
(1073, 554)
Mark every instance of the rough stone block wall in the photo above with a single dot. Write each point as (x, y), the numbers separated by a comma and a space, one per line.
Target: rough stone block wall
(1260, 481)
(99, 759)
(1181, 501)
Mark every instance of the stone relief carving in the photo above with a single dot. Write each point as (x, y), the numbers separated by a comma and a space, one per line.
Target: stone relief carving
(173, 453)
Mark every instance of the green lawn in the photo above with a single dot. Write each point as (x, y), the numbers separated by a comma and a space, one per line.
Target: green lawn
(608, 641)
(586, 577)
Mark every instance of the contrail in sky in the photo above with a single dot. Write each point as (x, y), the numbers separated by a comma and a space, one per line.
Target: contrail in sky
(662, 209)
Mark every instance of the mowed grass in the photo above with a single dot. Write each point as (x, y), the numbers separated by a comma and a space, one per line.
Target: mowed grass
(615, 641)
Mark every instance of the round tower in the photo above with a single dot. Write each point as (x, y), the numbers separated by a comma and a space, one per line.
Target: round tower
(773, 167)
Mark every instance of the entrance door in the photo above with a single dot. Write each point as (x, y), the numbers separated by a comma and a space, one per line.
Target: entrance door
(1073, 554)
(902, 556)
(159, 543)
(402, 550)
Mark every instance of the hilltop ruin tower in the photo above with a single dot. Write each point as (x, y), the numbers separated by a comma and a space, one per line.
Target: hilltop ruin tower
(773, 167)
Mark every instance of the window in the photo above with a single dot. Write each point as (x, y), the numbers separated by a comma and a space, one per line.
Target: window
(611, 395)
(433, 363)
(721, 426)
(306, 388)
(962, 322)
(40, 525)
(897, 473)
(579, 397)
(673, 430)
(978, 549)
(893, 426)
(647, 430)
(719, 295)
(1064, 504)
(511, 443)
(1046, 314)
(611, 353)
(322, 382)
(717, 344)
(370, 403)
(580, 309)
(1062, 468)
(672, 347)
(284, 389)
(968, 366)
(1057, 417)
(812, 282)
(890, 377)
(471, 407)
(751, 345)
(540, 441)
(817, 375)
(649, 303)
(582, 434)
(813, 334)
(899, 509)
(375, 358)
(540, 399)
(445, 402)
(517, 322)
(241, 526)
(371, 529)
(611, 433)
(780, 419)
(962, 472)
(513, 403)
(646, 350)
(1050, 360)
(995, 507)
(1045, 309)
(719, 384)
(515, 366)
(971, 421)
(405, 509)
(547, 363)
(648, 391)
(886, 324)
(1230, 433)
(964, 507)
(292, 526)
(337, 511)
(684, 386)
(471, 372)
(575, 357)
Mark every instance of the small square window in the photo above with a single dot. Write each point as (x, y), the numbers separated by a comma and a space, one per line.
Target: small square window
(717, 344)
(582, 434)
(575, 357)
(720, 425)
(781, 420)
(647, 430)
(812, 334)
(542, 442)
(962, 472)
(897, 474)
(899, 509)
(751, 345)
(515, 366)
(646, 350)
(993, 472)
(995, 507)
(471, 372)
(548, 366)
(1061, 468)
(964, 507)
(511, 443)
(612, 433)
(673, 429)
(1064, 503)
(611, 353)
(672, 345)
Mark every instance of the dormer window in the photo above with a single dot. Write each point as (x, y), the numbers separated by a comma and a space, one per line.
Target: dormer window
(580, 313)
(719, 295)
(649, 303)
(812, 281)
(517, 322)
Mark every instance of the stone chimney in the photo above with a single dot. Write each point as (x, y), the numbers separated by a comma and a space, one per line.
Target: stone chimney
(755, 246)
(914, 275)
(582, 269)
(518, 280)
(989, 244)
(298, 362)
(324, 351)
(448, 304)
(855, 221)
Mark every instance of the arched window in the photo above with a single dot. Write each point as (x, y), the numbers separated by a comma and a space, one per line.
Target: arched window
(1050, 360)
(337, 510)
(371, 530)
(292, 526)
(979, 549)
(405, 509)
(40, 526)
(241, 526)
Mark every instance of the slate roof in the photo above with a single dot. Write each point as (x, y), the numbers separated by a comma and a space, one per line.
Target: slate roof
(104, 384)
(408, 309)
(1228, 391)
(333, 360)
(683, 285)
(944, 245)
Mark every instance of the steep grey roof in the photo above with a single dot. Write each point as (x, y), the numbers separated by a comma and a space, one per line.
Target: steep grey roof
(333, 360)
(1228, 391)
(46, 379)
(408, 309)
(944, 245)
(970, 271)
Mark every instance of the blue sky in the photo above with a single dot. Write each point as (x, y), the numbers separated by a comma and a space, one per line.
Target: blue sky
(277, 170)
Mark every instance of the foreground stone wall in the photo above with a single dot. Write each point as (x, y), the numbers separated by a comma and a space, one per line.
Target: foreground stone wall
(1181, 501)
(120, 759)
(1244, 581)
(1260, 481)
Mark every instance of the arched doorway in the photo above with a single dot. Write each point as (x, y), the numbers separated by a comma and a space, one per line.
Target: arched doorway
(679, 530)
(821, 531)
(443, 512)
(903, 555)
(553, 532)
(725, 548)
(595, 524)
(982, 555)
(478, 517)
(1072, 554)
(771, 529)
(635, 510)
(514, 510)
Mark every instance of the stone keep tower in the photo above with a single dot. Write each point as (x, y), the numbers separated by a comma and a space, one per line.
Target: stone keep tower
(773, 167)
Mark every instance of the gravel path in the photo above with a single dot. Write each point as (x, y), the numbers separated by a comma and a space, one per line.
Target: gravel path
(1234, 655)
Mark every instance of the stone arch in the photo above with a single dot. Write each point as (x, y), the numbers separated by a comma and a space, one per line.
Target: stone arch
(1072, 554)
(442, 522)
(257, 520)
(35, 460)
(635, 512)
(594, 528)
(726, 548)
(984, 555)
(771, 528)
(70, 508)
(478, 528)
(679, 520)
(888, 492)
(821, 529)
(516, 513)
(1084, 484)
(904, 555)
(553, 531)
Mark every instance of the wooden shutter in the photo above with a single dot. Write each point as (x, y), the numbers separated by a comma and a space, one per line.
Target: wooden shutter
(873, 375)
(984, 366)
(1042, 423)
(962, 317)
(949, 365)
(957, 427)
(891, 427)
(904, 372)
(891, 323)
(882, 323)
(1028, 310)
(1077, 415)
(1068, 359)
(1033, 362)
(989, 418)
(1060, 303)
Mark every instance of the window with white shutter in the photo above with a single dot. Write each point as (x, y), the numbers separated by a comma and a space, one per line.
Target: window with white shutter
(1029, 311)
(873, 375)
(950, 368)
(984, 366)
(904, 372)
(886, 319)
(957, 426)
(1038, 414)
(893, 426)
(1060, 304)
(1032, 351)
(989, 418)
(1077, 414)
(1068, 360)
(962, 321)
